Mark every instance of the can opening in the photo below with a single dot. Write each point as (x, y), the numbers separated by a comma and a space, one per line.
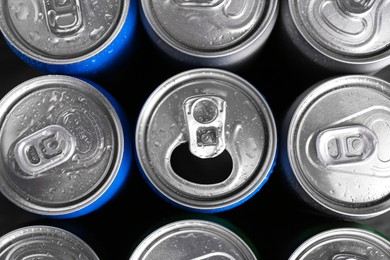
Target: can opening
(202, 171)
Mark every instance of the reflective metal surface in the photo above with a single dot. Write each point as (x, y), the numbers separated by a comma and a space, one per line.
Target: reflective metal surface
(271, 218)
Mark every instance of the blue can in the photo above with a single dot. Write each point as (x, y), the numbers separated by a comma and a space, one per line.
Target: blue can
(72, 37)
(65, 146)
(206, 140)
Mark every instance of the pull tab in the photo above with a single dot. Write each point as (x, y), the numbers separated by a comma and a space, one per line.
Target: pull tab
(44, 149)
(348, 257)
(215, 256)
(344, 145)
(355, 6)
(63, 17)
(198, 3)
(205, 116)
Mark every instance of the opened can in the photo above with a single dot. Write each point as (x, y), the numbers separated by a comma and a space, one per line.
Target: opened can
(341, 36)
(192, 239)
(71, 37)
(65, 147)
(219, 119)
(44, 242)
(344, 244)
(217, 33)
(335, 146)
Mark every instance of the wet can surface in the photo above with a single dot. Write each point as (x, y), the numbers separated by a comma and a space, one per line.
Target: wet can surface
(44, 242)
(192, 239)
(210, 112)
(335, 146)
(344, 244)
(69, 37)
(217, 33)
(65, 148)
(339, 35)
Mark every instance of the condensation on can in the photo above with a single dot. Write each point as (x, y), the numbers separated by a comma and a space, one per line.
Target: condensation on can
(211, 111)
(344, 244)
(334, 144)
(192, 239)
(65, 147)
(71, 37)
(44, 242)
(341, 36)
(220, 33)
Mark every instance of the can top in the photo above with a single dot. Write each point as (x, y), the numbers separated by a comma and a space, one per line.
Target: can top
(209, 28)
(62, 144)
(210, 111)
(347, 30)
(192, 239)
(344, 244)
(338, 143)
(60, 32)
(44, 242)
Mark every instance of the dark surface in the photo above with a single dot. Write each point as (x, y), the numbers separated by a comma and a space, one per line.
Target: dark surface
(273, 221)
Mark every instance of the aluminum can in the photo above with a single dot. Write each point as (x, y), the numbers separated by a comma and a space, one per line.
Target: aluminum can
(192, 239)
(344, 244)
(44, 242)
(71, 37)
(335, 143)
(211, 113)
(211, 33)
(65, 147)
(340, 36)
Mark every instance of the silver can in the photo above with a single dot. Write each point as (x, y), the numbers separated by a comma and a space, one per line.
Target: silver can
(192, 239)
(344, 36)
(44, 242)
(335, 146)
(64, 149)
(216, 33)
(210, 112)
(344, 244)
(70, 36)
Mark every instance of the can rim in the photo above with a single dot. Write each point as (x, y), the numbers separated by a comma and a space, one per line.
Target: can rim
(219, 204)
(27, 231)
(23, 47)
(29, 86)
(316, 91)
(263, 27)
(347, 59)
(340, 233)
(181, 226)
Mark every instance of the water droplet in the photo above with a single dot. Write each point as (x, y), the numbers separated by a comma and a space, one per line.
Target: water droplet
(251, 148)
(96, 33)
(108, 17)
(22, 12)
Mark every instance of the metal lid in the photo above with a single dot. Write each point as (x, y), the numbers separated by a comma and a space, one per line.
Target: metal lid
(353, 31)
(61, 144)
(61, 31)
(211, 111)
(209, 28)
(44, 242)
(344, 244)
(192, 239)
(338, 143)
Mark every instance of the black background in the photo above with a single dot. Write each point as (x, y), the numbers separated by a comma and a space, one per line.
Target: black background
(273, 222)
